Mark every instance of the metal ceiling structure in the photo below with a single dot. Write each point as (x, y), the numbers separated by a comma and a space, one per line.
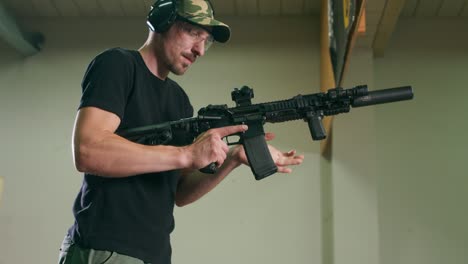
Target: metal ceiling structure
(381, 15)
(26, 43)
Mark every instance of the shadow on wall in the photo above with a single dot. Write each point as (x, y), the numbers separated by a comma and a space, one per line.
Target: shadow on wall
(1, 190)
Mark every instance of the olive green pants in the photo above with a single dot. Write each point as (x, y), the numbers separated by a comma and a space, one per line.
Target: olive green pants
(71, 253)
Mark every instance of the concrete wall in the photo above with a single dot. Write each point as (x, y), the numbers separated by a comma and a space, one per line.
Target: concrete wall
(242, 221)
(422, 146)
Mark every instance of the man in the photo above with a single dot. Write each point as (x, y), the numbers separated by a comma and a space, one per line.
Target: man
(124, 210)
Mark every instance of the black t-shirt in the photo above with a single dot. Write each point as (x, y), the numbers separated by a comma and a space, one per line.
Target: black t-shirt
(134, 215)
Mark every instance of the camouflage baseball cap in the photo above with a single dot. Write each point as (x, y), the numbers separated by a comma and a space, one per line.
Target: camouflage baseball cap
(201, 13)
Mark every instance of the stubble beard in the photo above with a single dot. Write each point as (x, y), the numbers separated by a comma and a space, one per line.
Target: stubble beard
(172, 63)
(177, 67)
(178, 70)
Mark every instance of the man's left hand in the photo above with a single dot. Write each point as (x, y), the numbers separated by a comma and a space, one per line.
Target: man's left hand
(282, 159)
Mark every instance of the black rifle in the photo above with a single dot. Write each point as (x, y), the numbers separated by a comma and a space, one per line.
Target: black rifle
(310, 108)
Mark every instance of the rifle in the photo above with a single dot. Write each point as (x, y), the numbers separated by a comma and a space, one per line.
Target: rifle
(311, 108)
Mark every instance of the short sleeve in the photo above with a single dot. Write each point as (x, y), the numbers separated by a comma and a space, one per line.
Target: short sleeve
(108, 81)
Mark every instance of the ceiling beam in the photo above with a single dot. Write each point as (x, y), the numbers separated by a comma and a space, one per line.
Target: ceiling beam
(26, 44)
(386, 26)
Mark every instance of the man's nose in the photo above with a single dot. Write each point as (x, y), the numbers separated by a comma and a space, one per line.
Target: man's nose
(198, 48)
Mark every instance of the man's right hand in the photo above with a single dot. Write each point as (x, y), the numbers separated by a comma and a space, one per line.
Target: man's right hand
(209, 147)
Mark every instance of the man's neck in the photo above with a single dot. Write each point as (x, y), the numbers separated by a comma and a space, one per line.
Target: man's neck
(150, 59)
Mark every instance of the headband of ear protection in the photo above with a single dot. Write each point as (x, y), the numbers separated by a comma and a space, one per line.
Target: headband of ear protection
(162, 15)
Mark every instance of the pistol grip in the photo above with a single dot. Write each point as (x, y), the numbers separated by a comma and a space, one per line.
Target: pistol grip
(210, 169)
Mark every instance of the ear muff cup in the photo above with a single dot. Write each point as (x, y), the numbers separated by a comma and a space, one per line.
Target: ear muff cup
(162, 15)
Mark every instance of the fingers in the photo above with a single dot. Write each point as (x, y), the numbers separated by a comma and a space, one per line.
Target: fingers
(284, 170)
(229, 130)
(209, 147)
(222, 154)
(269, 136)
(288, 159)
(219, 149)
(217, 152)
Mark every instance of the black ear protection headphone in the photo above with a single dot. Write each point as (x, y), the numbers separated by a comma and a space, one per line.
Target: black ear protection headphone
(163, 14)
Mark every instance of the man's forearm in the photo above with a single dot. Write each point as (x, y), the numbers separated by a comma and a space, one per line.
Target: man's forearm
(193, 184)
(97, 150)
(114, 156)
